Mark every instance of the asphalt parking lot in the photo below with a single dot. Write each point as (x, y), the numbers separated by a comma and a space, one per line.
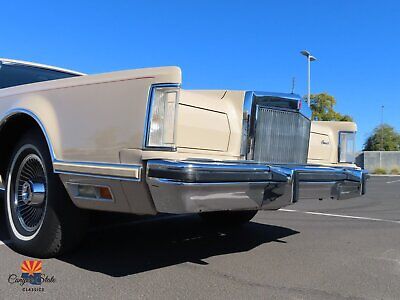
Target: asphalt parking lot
(311, 250)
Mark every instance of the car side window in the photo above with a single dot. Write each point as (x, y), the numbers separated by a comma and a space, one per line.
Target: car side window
(18, 74)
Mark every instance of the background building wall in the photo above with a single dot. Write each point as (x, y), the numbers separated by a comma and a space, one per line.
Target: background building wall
(372, 160)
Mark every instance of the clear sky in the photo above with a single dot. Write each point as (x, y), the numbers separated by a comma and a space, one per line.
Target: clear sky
(251, 45)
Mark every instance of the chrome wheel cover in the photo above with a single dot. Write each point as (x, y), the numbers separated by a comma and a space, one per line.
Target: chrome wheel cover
(29, 201)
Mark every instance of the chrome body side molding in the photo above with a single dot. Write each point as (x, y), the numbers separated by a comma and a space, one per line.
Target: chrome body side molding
(111, 171)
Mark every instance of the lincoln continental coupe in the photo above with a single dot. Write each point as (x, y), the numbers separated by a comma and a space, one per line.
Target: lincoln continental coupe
(136, 142)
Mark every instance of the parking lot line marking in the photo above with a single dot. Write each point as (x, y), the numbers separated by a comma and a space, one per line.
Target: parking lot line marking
(340, 216)
(393, 181)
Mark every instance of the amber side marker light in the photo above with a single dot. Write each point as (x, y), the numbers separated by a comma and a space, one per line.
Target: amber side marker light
(105, 193)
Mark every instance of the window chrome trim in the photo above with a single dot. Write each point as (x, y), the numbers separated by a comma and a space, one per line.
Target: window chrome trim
(40, 66)
(340, 143)
(250, 117)
(148, 114)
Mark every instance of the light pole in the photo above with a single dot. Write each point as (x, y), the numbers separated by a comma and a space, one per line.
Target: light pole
(382, 107)
(310, 58)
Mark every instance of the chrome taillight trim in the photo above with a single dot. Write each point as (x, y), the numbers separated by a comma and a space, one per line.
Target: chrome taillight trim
(249, 122)
(149, 113)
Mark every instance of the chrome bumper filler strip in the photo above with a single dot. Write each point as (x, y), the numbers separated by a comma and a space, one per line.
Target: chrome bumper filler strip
(195, 186)
(111, 171)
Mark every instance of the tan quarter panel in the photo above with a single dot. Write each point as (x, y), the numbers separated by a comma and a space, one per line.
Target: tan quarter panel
(320, 147)
(322, 131)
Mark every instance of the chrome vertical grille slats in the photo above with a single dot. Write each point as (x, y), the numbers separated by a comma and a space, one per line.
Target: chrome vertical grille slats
(281, 136)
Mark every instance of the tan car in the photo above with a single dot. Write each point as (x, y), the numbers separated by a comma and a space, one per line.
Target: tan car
(136, 142)
(332, 143)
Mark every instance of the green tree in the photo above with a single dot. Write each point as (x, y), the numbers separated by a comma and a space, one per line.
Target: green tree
(383, 138)
(322, 106)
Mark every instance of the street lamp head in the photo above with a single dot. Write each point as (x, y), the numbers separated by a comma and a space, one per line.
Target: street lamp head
(308, 55)
(305, 53)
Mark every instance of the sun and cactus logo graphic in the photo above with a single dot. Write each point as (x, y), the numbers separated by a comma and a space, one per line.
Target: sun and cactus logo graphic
(32, 279)
(32, 271)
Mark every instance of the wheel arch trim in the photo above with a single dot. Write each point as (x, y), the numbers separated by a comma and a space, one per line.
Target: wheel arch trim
(22, 111)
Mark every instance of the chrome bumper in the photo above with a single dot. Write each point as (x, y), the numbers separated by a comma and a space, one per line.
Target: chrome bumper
(197, 186)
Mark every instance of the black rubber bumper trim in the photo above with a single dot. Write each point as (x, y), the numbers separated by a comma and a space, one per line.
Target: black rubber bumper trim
(195, 172)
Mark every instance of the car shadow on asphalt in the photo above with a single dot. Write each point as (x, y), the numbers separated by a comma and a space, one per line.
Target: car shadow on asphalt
(153, 245)
(3, 228)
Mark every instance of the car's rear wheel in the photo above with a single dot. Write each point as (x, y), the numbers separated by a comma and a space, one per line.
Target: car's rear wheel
(42, 221)
(228, 218)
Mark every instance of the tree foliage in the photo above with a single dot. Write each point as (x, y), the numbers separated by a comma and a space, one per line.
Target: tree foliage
(322, 106)
(383, 138)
